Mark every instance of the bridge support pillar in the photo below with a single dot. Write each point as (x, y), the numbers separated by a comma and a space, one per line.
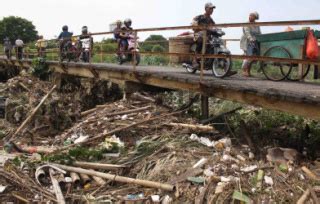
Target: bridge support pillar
(204, 107)
(56, 79)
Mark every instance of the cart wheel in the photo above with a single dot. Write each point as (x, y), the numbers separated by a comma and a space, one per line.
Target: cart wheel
(296, 75)
(276, 71)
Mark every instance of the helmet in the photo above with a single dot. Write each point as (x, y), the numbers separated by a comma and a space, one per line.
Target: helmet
(255, 14)
(65, 28)
(128, 22)
(84, 29)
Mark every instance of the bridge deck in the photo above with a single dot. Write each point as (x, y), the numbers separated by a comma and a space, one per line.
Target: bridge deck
(299, 98)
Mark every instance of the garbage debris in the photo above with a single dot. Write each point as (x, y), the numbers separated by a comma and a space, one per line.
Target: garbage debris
(2, 188)
(70, 152)
(249, 168)
(196, 180)
(241, 197)
(268, 180)
(282, 155)
(200, 163)
(203, 140)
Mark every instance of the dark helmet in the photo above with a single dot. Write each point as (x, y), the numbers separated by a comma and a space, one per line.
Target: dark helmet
(84, 29)
(128, 22)
(65, 28)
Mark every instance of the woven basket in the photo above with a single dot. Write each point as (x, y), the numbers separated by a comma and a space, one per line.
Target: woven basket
(181, 44)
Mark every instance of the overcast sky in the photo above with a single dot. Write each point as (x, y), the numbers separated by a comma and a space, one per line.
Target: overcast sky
(50, 15)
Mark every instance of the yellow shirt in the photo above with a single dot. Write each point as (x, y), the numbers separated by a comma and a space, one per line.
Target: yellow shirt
(41, 43)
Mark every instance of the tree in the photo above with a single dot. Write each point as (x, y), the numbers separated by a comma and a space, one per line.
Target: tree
(16, 27)
(153, 40)
(158, 48)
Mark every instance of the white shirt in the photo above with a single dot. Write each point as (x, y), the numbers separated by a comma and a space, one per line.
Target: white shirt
(19, 43)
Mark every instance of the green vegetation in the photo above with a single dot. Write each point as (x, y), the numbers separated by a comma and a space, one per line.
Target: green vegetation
(40, 68)
(15, 27)
(268, 127)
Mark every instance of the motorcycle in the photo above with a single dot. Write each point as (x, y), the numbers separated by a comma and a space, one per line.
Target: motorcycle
(220, 66)
(133, 50)
(86, 46)
(71, 50)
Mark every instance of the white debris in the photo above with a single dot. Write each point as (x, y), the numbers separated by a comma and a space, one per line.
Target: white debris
(268, 180)
(2, 188)
(166, 200)
(228, 158)
(155, 198)
(301, 176)
(225, 179)
(81, 139)
(208, 172)
(235, 167)
(241, 158)
(37, 197)
(229, 179)
(220, 187)
(110, 142)
(228, 149)
(249, 168)
(68, 179)
(106, 155)
(203, 140)
(124, 117)
(200, 163)
(251, 155)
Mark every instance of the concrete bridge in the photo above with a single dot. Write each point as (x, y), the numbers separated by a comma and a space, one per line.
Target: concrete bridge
(299, 98)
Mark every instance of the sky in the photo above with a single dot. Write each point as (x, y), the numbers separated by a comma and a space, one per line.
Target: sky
(50, 15)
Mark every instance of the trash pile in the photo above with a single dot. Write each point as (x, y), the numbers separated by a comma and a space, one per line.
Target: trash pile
(23, 93)
(136, 151)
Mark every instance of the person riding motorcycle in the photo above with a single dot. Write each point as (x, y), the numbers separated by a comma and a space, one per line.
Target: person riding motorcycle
(116, 34)
(85, 36)
(124, 36)
(201, 20)
(64, 37)
(84, 33)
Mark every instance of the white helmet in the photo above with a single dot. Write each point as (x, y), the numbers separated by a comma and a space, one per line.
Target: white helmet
(128, 22)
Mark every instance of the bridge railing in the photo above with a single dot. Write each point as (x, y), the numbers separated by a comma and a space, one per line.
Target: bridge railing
(54, 53)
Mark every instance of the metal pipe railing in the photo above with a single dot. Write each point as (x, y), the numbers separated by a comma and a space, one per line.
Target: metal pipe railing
(203, 54)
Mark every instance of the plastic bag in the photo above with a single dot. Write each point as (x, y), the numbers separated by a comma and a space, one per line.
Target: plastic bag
(312, 46)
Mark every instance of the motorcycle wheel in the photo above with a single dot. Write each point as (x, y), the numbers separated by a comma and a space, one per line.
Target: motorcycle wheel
(120, 61)
(221, 67)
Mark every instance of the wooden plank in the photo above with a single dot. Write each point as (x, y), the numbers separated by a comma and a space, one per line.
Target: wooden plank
(303, 105)
(297, 108)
